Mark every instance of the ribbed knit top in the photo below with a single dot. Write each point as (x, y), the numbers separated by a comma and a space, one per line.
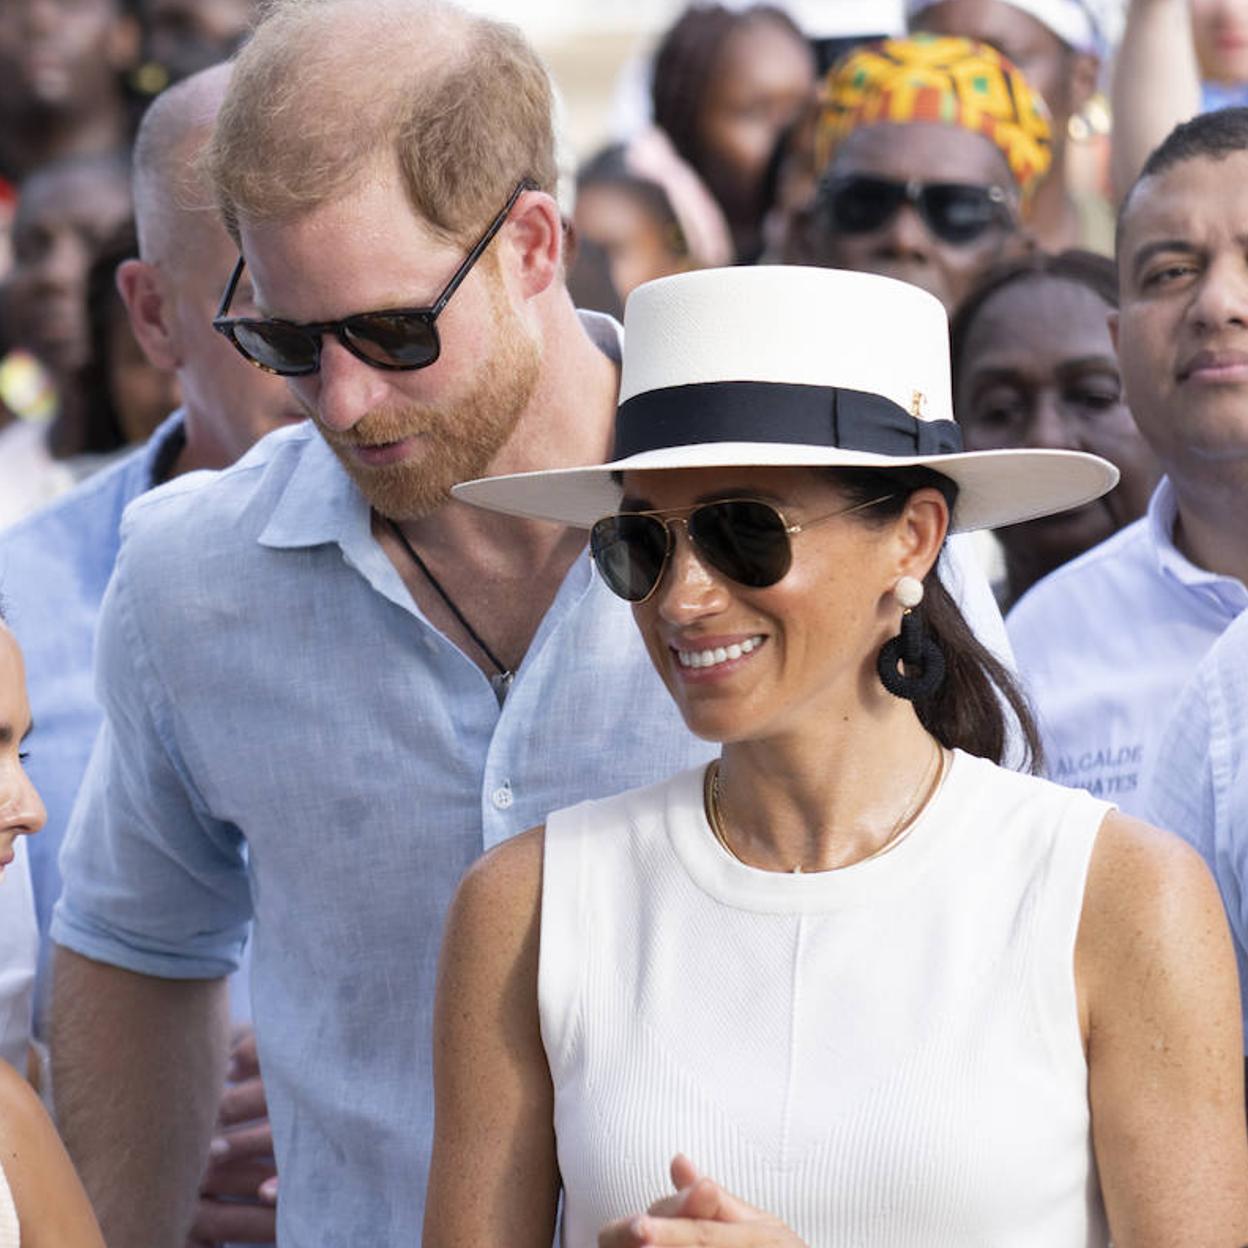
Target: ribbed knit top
(887, 1055)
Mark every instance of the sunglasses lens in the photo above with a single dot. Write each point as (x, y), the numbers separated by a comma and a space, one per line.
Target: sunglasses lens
(630, 552)
(401, 340)
(958, 214)
(743, 539)
(860, 205)
(282, 348)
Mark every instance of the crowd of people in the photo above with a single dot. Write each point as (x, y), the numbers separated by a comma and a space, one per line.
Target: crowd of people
(772, 772)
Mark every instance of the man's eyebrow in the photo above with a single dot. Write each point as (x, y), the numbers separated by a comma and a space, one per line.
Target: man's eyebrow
(1182, 246)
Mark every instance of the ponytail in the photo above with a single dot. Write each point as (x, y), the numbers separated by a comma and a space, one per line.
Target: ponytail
(968, 710)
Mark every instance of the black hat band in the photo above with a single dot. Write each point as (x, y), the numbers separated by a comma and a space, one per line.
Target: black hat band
(766, 411)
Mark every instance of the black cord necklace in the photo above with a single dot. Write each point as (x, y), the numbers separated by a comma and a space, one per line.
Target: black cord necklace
(501, 681)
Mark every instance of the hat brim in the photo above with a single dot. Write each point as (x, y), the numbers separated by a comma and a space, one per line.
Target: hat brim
(996, 488)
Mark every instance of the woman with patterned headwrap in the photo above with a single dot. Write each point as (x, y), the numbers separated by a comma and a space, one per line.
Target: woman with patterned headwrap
(1059, 45)
(930, 149)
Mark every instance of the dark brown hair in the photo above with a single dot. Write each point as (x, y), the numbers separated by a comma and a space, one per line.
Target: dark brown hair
(685, 64)
(967, 712)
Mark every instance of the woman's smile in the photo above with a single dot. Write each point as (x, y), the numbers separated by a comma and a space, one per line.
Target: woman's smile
(709, 657)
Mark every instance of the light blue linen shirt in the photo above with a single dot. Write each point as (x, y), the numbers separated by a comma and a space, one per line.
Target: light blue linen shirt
(54, 568)
(1200, 785)
(1106, 642)
(287, 736)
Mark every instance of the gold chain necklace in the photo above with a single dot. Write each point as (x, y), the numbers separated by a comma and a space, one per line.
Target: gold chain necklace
(898, 833)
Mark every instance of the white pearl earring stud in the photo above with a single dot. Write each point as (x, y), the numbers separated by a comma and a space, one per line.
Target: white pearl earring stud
(908, 591)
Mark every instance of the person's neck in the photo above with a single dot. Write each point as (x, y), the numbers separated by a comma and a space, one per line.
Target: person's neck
(200, 449)
(832, 795)
(55, 136)
(1211, 520)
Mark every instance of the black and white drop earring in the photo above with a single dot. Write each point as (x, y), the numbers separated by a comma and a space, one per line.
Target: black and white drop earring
(911, 665)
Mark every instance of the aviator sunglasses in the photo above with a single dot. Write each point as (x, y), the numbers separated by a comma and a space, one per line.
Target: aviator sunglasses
(744, 539)
(955, 212)
(401, 339)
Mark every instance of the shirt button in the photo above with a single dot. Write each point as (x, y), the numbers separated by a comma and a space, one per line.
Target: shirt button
(502, 798)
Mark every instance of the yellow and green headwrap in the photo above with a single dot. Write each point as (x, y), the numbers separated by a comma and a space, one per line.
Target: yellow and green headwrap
(937, 78)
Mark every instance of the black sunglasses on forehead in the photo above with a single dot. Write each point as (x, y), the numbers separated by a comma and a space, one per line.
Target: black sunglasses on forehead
(399, 339)
(955, 212)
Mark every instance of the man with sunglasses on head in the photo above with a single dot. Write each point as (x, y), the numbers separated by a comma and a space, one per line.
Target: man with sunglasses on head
(929, 148)
(327, 686)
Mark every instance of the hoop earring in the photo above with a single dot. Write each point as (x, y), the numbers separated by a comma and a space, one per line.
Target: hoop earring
(911, 665)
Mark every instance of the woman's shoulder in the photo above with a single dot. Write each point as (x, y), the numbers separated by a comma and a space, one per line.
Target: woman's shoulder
(1152, 924)
(1144, 884)
(504, 885)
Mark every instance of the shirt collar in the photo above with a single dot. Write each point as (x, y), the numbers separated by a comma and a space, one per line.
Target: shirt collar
(163, 445)
(1163, 511)
(319, 502)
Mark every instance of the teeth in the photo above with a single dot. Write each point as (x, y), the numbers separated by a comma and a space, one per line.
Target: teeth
(719, 654)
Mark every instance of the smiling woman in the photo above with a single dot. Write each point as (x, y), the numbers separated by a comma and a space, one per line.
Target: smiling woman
(883, 989)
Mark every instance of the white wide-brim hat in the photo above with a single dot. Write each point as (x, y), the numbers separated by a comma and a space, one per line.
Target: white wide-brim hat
(785, 366)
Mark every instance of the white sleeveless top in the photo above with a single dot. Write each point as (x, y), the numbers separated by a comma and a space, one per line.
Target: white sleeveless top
(10, 1234)
(886, 1055)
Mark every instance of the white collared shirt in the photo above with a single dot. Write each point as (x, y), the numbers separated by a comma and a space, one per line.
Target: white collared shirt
(1200, 786)
(1105, 644)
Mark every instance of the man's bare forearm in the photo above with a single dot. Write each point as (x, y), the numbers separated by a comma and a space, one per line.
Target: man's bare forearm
(137, 1069)
(1156, 84)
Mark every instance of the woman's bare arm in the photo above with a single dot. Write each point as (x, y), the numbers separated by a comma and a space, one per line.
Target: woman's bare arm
(494, 1178)
(1160, 999)
(52, 1209)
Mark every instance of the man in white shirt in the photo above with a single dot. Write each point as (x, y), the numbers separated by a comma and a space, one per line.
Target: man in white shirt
(1107, 641)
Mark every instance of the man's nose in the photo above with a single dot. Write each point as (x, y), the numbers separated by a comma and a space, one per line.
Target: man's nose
(905, 234)
(344, 390)
(1222, 296)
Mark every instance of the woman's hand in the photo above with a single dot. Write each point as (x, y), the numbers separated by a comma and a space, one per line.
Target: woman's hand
(701, 1212)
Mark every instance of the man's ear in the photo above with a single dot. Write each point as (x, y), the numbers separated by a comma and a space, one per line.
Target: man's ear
(143, 290)
(535, 231)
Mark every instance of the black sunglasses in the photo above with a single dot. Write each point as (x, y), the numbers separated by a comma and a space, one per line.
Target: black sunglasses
(400, 339)
(956, 212)
(745, 539)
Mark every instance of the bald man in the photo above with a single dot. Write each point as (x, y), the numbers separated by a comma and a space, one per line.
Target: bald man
(55, 565)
